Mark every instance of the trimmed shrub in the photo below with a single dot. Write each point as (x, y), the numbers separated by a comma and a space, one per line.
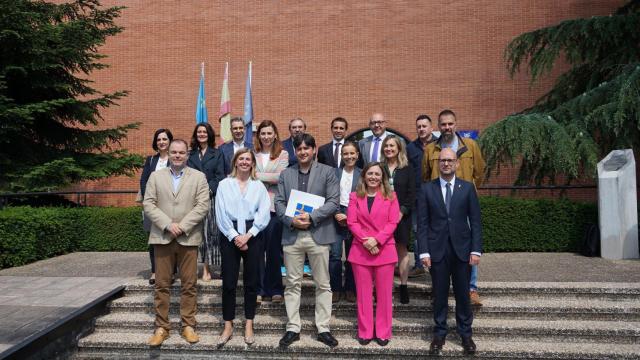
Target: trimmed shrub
(538, 225)
(29, 234)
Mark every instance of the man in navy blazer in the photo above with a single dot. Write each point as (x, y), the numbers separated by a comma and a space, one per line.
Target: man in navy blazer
(229, 148)
(450, 241)
(329, 153)
(297, 126)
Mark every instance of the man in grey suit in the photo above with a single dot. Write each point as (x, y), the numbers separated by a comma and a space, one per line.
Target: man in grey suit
(308, 234)
(176, 201)
(371, 146)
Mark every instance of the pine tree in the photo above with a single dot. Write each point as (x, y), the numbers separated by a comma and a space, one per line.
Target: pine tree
(593, 108)
(49, 112)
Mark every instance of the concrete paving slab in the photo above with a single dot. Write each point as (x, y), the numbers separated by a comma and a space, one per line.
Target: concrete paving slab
(31, 304)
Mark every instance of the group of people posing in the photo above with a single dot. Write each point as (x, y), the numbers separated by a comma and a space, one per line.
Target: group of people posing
(229, 204)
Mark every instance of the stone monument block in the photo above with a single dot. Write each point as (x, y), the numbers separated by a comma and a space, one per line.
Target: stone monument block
(617, 206)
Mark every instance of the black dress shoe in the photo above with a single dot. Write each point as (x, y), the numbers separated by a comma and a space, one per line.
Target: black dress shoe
(152, 281)
(404, 294)
(289, 338)
(468, 346)
(436, 345)
(364, 342)
(327, 339)
(382, 342)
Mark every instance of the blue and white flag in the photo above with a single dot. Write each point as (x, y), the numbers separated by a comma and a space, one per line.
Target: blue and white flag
(248, 111)
(471, 134)
(201, 106)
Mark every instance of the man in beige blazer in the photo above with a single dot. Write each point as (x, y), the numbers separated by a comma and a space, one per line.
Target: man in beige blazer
(176, 200)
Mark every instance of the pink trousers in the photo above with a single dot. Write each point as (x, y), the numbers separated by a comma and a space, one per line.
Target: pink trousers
(365, 277)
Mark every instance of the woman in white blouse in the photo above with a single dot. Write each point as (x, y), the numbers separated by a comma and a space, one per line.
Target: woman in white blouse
(242, 212)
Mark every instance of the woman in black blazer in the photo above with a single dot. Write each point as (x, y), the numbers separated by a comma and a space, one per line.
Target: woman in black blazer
(348, 176)
(160, 144)
(402, 181)
(207, 159)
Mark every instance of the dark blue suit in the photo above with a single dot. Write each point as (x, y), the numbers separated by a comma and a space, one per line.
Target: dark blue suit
(287, 144)
(227, 155)
(450, 239)
(212, 165)
(325, 154)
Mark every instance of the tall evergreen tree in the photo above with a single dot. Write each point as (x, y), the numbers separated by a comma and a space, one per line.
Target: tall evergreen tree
(49, 112)
(593, 108)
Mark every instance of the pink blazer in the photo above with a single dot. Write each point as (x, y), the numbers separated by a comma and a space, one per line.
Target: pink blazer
(380, 224)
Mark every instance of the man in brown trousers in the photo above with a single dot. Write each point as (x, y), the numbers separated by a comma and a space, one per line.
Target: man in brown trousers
(176, 200)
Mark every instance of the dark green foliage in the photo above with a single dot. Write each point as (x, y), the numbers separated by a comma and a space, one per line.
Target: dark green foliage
(29, 234)
(541, 225)
(593, 108)
(113, 229)
(48, 109)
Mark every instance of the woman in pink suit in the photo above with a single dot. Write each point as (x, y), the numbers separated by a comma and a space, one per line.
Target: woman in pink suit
(372, 216)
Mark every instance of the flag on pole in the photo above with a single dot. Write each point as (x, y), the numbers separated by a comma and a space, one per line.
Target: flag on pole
(225, 108)
(248, 111)
(201, 107)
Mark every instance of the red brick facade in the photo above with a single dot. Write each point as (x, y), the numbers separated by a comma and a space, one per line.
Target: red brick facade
(321, 59)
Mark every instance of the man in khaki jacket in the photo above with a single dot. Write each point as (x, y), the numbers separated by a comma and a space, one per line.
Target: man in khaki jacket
(471, 169)
(176, 200)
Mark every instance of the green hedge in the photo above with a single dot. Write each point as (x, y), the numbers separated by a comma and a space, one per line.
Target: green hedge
(538, 225)
(29, 234)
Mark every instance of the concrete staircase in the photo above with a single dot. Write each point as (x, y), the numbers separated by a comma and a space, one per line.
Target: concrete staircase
(518, 320)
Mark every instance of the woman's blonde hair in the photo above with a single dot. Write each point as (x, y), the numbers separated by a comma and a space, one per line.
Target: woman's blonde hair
(385, 188)
(234, 172)
(403, 160)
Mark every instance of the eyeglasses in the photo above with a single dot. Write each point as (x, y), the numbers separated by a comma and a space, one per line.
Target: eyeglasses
(377, 123)
(444, 161)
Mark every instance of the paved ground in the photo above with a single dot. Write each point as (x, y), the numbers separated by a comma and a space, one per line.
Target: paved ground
(512, 267)
(36, 295)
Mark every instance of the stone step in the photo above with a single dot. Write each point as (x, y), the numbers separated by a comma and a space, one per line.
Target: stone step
(133, 345)
(507, 308)
(557, 330)
(620, 291)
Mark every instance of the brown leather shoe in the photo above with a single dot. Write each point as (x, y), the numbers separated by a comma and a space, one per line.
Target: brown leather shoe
(158, 337)
(190, 335)
(336, 296)
(475, 298)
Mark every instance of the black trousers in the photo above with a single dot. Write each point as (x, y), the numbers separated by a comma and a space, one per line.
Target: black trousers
(450, 268)
(231, 256)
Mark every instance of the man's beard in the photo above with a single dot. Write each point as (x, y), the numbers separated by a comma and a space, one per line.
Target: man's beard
(447, 137)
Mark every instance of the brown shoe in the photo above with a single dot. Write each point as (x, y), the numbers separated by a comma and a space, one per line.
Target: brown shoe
(158, 337)
(417, 272)
(475, 298)
(336, 297)
(190, 335)
(277, 299)
(350, 296)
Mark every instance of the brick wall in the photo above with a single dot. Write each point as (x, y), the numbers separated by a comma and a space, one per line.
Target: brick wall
(321, 59)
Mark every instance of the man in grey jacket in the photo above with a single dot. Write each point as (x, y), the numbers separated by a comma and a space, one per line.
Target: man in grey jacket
(308, 234)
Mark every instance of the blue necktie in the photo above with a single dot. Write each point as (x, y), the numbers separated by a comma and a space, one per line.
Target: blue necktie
(376, 150)
(447, 197)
